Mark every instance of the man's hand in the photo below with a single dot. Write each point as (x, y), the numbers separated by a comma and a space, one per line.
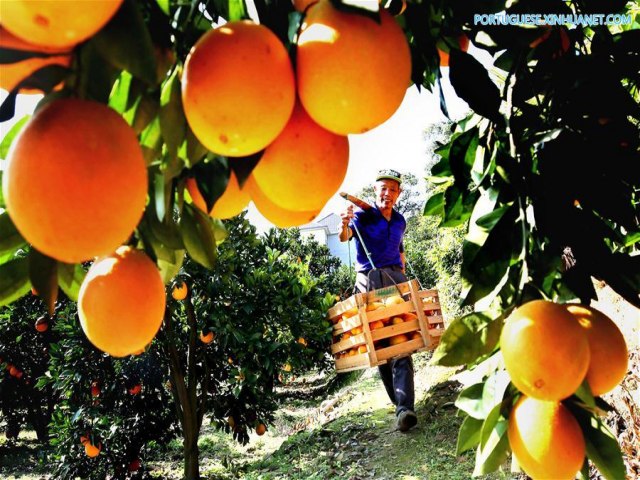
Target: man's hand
(346, 216)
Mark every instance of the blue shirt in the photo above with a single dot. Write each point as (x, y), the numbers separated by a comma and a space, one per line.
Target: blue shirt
(382, 237)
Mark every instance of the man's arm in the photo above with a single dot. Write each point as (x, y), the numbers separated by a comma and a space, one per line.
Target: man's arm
(346, 233)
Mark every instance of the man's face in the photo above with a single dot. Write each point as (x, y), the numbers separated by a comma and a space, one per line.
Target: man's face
(387, 192)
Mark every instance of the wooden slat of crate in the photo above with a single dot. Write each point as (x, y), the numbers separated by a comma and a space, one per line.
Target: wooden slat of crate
(393, 330)
(405, 348)
(354, 362)
(435, 319)
(348, 343)
(347, 324)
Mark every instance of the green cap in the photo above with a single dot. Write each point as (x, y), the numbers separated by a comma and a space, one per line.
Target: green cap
(388, 174)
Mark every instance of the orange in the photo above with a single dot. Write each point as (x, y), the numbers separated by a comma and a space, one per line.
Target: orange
(280, 217)
(57, 24)
(394, 300)
(238, 88)
(261, 429)
(416, 335)
(136, 389)
(409, 316)
(374, 306)
(91, 450)
(75, 183)
(302, 5)
(207, 338)
(304, 167)
(42, 325)
(121, 302)
(443, 49)
(302, 341)
(545, 439)
(180, 290)
(609, 354)
(397, 339)
(363, 349)
(352, 71)
(545, 350)
(397, 320)
(376, 325)
(14, 73)
(231, 203)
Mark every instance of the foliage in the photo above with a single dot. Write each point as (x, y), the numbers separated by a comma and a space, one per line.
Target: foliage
(23, 347)
(125, 423)
(268, 320)
(331, 274)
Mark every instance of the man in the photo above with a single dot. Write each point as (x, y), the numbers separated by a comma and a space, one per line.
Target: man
(382, 230)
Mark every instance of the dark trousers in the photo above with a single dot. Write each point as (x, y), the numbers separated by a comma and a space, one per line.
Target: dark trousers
(397, 375)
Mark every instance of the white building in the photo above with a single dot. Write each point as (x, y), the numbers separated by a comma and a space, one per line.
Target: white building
(325, 231)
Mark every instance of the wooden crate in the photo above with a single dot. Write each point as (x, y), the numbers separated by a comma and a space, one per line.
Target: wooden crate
(359, 340)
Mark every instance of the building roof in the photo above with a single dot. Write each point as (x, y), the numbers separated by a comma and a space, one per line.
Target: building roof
(332, 223)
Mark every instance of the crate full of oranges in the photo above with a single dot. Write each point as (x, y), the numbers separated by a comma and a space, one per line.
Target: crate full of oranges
(391, 322)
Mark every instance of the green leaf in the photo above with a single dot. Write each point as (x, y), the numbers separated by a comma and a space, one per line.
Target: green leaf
(126, 43)
(7, 140)
(172, 120)
(469, 434)
(14, 280)
(43, 273)
(10, 238)
(472, 84)
(198, 235)
(236, 10)
(70, 277)
(470, 401)
(212, 178)
(602, 446)
(243, 166)
(119, 97)
(435, 205)
(585, 395)
(164, 6)
(467, 339)
(493, 450)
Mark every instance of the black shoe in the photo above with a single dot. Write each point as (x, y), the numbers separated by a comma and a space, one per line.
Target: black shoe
(406, 420)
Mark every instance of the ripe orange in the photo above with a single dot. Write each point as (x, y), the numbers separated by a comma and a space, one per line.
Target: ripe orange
(207, 338)
(443, 49)
(609, 355)
(180, 290)
(376, 325)
(238, 88)
(545, 350)
(397, 320)
(42, 324)
(121, 302)
(57, 24)
(302, 5)
(397, 339)
(232, 202)
(75, 182)
(393, 300)
(409, 316)
(304, 166)
(136, 389)
(352, 71)
(95, 389)
(416, 335)
(261, 429)
(14, 73)
(374, 306)
(280, 217)
(91, 450)
(545, 439)
(363, 349)
(302, 341)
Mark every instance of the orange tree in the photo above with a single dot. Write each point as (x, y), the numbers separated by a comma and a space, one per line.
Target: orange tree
(24, 357)
(258, 303)
(545, 171)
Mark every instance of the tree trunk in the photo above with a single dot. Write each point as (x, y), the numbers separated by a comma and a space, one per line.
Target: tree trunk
(191, 453)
